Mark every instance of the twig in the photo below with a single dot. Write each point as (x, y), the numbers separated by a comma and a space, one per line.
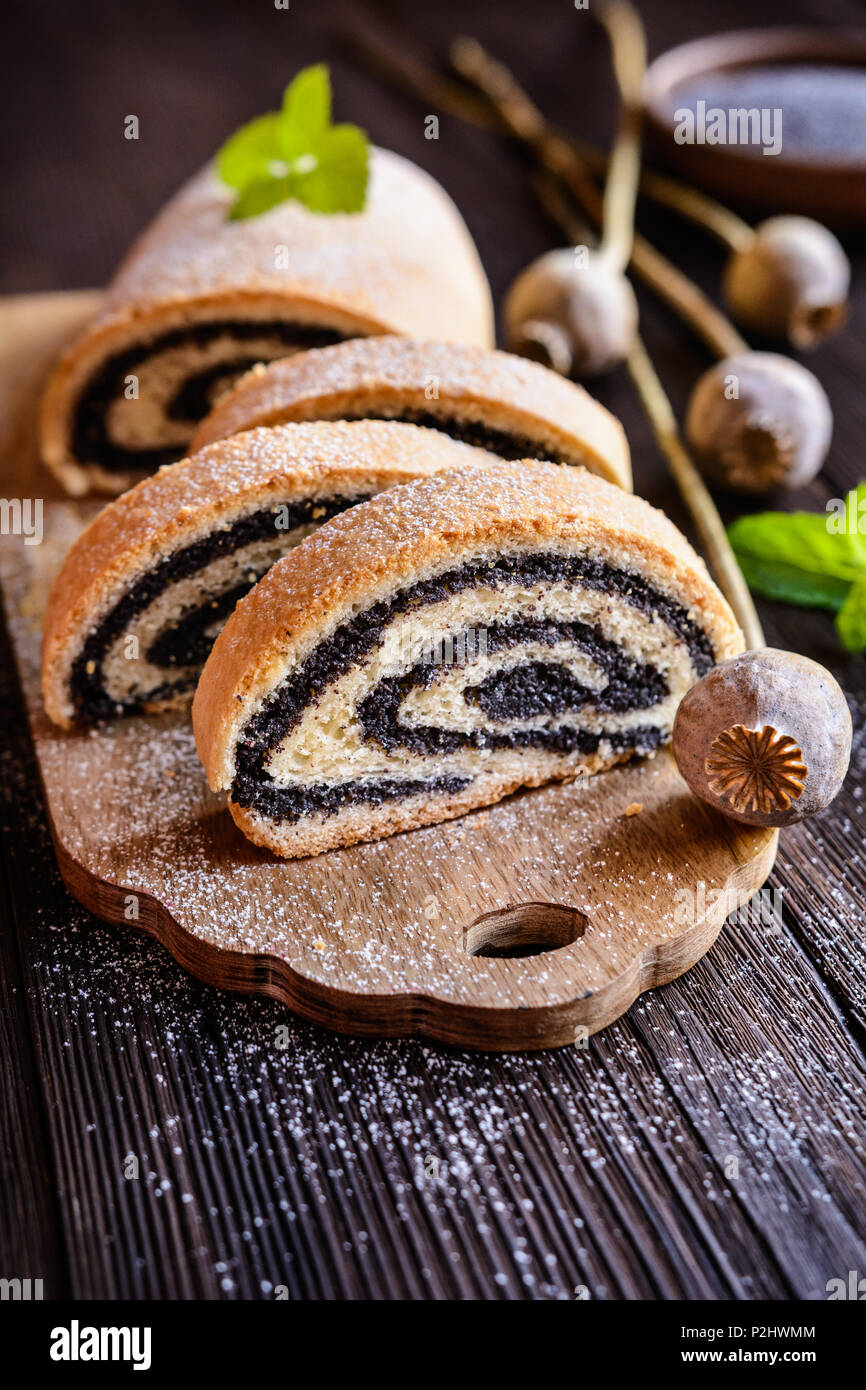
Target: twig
(412, 75)
(408, 73)
(628, 49)
(625, 30)
(554, 202)
(570, 165)
(726, 226)
(524, 120)
(690, 485)
(693, 491)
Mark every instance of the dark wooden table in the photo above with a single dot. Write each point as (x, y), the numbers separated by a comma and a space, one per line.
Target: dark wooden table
(710, 1144)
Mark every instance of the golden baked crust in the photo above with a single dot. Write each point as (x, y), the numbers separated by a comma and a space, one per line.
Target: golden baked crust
(185, 500)
(365, 553)
(302, 840)
(388, 374)
(406, 264)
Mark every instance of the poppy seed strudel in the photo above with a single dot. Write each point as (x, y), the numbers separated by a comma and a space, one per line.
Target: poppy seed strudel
(506, 404)
(449, 641)
(145, 589)
(200, 298)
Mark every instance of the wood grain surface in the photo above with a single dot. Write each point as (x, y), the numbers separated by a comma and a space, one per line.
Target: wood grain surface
(394, 938)
(708, 1145)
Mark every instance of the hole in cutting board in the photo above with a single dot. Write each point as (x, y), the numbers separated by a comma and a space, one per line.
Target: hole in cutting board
(529, 929)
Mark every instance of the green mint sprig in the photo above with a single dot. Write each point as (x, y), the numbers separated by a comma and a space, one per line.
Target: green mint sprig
(813, 559)
(297, 153)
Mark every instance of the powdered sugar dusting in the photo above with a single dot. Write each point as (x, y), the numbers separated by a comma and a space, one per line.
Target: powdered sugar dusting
(131, 806)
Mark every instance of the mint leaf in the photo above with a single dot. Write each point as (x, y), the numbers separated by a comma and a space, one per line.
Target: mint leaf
(248, 155)
(338, 181)
(297, 153)
(787, 584)
(850, 521)
(814, 559)
(851, 619)
(306, 113)
(260, 197)
(794, 556)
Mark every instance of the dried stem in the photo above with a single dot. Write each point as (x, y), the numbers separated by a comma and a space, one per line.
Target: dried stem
(693, 491)
(524, 120)
(569, 165)
(560, 210)
(628, 49)
(690, 485)
(726, 226)
(410, 74)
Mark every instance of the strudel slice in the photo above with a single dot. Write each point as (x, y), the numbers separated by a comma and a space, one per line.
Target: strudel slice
(146, 588)
(199, 299)
(506, 404)
(448, 642)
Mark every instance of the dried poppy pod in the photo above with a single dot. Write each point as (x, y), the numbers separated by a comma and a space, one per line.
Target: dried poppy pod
(789, 281)
(758, 421)
(578, 318)
(764, 737)
(573, 309)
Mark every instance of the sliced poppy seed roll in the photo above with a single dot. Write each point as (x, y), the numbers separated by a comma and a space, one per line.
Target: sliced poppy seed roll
(146, 588)
(447, 642)
(512, 407)
(200, 298)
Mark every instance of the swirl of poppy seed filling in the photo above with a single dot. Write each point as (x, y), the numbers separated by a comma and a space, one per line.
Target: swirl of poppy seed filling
(196, 393)
(540, 692)
(245, 342)
(180, 647)
(506, 444)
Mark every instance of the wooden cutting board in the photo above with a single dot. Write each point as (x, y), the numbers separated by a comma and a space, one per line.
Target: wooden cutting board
(587, 901)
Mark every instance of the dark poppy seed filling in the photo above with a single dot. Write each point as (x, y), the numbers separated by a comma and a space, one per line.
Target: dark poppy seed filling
(186, 643)
(194, 397)
(506, 444)
(522, 692)
(189, 640)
